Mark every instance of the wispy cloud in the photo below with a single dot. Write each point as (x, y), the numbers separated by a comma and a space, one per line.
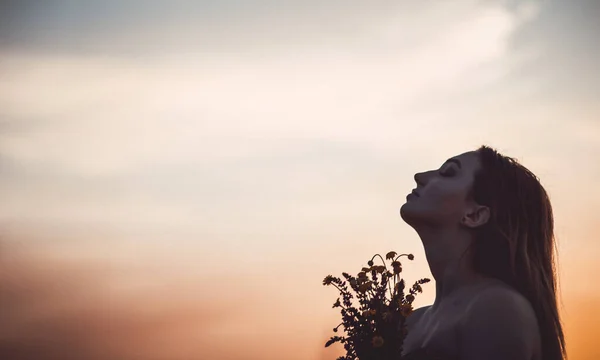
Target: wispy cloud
(125, 134)
(206, 106)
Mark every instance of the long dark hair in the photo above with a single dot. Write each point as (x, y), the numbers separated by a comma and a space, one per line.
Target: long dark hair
(517, 244)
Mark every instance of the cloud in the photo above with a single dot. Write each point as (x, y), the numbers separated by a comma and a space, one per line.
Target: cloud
(563, 36)
(198, 142)
(134, 28)
(121, 112)
(203, 139)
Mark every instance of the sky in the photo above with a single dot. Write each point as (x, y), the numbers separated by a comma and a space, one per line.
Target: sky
(177, 174)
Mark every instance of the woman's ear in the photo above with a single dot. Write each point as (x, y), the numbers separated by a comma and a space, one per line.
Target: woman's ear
(476, 216)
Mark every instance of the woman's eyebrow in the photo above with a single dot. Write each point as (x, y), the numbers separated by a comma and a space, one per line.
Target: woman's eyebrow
(454, 160)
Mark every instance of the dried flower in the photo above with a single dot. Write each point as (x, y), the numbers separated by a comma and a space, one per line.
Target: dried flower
(386, 315)
(380, 269)
(405, 310)
(374, 307)
(377, 341)
(365, 286)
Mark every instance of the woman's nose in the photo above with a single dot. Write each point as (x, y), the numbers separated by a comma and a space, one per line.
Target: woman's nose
(419, 179)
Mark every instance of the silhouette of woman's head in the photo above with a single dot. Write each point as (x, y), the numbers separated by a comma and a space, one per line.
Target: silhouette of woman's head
(505, 213)
(442, 199)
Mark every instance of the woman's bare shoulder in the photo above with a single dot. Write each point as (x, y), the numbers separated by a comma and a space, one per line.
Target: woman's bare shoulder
(499, 292)
(414, 317)
(499, 317)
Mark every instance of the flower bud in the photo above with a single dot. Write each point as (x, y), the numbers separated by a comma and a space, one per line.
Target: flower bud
(377, 341)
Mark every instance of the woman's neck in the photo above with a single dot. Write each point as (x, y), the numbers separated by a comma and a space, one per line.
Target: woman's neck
(450, 264)
(451, 277)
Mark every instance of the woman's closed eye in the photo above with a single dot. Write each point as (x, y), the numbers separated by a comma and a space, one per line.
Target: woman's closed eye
(448, 171)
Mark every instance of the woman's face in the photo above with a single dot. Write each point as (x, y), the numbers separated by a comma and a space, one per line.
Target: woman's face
(441, 199)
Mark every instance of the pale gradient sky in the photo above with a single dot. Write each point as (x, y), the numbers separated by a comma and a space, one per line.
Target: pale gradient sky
(266, 144)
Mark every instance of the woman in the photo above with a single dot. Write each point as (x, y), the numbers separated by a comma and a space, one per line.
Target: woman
(487, 228)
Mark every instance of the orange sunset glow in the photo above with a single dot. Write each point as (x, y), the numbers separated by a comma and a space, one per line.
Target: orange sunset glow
(178, 177)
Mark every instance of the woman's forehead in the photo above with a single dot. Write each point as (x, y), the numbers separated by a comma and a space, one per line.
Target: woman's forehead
(471, 155)
(468, 160)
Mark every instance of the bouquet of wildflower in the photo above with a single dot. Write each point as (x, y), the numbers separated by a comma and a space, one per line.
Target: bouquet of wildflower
(377, 328)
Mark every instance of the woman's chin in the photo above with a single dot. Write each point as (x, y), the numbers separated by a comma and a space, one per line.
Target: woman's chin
(405, 212)
(410, 214)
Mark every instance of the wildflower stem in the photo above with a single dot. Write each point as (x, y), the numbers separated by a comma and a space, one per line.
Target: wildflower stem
(381, 257)
(342, 291)
(398, 257)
